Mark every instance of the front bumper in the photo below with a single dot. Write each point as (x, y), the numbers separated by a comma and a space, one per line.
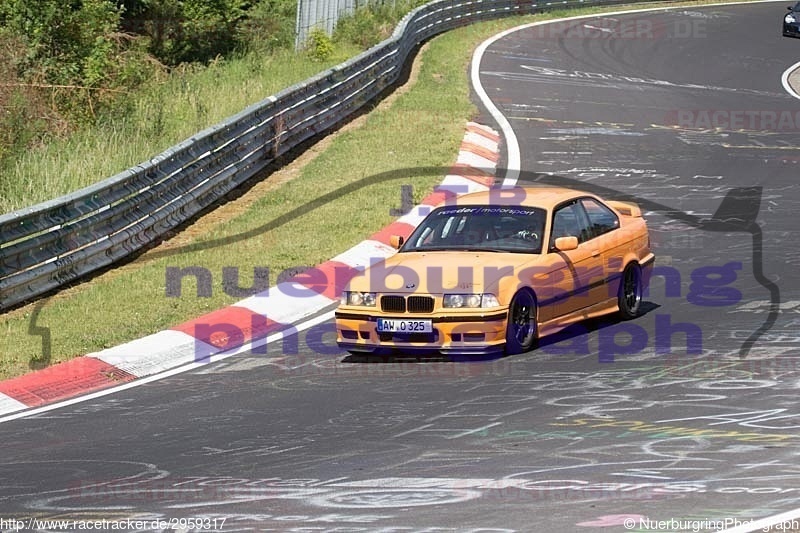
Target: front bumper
(791, 29)
(480, 333)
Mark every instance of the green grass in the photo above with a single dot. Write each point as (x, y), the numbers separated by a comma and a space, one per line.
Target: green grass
(422, 128)
(159, 116)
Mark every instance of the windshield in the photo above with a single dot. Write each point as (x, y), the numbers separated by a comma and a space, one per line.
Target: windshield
(480, 228)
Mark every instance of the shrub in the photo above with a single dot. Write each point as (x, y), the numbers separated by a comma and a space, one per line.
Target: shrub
(186, 31)
(374, 23)
(269, 26)
(319, 46)
(25, 116)
(362, 28)
(75, 57)
(68, 42)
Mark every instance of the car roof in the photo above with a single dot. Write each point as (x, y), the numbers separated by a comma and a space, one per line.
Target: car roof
(543, 197)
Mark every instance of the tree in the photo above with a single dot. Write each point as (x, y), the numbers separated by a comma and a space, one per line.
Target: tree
(185, 30)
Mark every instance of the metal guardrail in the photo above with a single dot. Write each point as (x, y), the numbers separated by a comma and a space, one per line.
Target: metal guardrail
(54, 243)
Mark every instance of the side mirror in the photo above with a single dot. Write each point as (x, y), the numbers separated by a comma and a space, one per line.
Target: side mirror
(565, 244)
(396, 241)
(790, 8)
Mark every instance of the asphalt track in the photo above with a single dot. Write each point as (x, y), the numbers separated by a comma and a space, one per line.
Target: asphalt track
(635, 420)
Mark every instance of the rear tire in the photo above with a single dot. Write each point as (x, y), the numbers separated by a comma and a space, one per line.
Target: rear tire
(629, 298)
(521, 327)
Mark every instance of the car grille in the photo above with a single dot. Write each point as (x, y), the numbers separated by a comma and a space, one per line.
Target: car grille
(420, 304)
(393, 304)
(414, 304)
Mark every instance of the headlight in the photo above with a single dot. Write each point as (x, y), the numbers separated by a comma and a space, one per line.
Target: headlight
(470, 300)
(366, 299)
(789, 19)
(490, 300)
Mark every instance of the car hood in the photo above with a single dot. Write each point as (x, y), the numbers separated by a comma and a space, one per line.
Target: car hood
(437, 272)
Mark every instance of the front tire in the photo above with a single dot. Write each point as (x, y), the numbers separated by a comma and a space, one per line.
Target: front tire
(521, 327)
(629, 298)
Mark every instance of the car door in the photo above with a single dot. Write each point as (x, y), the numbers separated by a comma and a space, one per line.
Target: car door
(583, 267)
(604, 225)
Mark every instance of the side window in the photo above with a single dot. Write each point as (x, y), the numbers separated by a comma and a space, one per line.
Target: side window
(601, 218)
(564, 224)
(569, 222)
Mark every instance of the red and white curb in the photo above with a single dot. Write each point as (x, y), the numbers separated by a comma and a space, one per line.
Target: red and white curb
(253, 318)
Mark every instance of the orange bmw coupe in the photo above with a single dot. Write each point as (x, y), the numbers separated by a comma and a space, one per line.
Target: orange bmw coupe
(494, 271)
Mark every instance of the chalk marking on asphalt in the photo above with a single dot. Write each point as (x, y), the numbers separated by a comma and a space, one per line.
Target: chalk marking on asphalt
(513, 156)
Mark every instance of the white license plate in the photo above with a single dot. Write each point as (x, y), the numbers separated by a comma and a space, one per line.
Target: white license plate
(397, 325)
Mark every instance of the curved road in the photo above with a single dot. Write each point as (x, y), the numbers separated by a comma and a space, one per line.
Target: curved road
(687, 416)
